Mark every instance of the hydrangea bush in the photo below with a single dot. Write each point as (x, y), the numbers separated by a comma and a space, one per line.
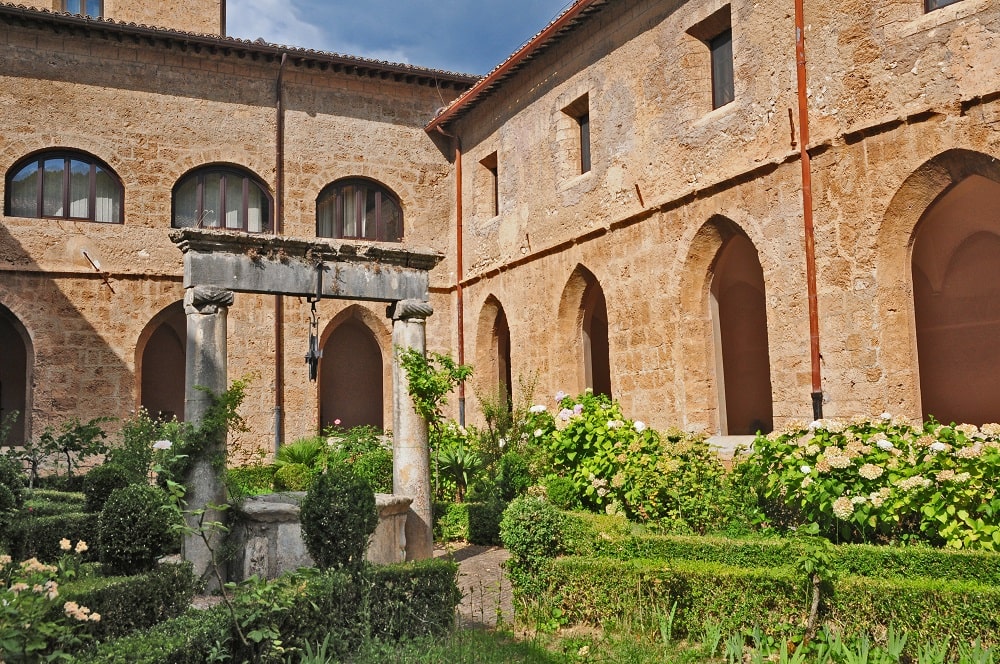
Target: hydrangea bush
(881, 480)
(619, 465)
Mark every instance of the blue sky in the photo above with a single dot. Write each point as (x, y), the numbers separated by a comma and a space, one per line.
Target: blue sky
(468, 36)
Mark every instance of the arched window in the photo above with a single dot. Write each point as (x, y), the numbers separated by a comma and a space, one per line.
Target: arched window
(222, 197)
(64, 185)
(357, 209)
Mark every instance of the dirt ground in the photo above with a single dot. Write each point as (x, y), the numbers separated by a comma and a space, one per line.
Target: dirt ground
(486, 593)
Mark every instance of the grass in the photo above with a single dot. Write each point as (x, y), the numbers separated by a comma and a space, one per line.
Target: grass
(474, 646)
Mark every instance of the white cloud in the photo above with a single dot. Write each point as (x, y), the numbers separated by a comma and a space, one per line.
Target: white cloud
(276, 21)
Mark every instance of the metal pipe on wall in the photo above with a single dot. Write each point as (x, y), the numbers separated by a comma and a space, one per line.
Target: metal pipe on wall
(807, 212)
(279, 302)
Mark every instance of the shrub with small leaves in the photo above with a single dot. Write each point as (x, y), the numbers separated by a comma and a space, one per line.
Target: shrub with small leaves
(293, 477)
(100, 482)
(135, 529)
(533, 530)
(338, 516)
(376, 467)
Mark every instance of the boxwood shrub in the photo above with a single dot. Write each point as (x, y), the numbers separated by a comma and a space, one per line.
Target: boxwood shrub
(385, 602)
(129, 603)
(605, 591)
(39, 536)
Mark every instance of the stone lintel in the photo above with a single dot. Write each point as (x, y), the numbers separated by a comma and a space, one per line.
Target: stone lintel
(289, 266)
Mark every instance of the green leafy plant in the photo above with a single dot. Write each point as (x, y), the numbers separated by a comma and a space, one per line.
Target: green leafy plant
(101, 481)
(75, 441)
(135, 452)
(293, 477)
(135, 529)
(338, 516)
(32, 628)
(304, 451)
(881, 480)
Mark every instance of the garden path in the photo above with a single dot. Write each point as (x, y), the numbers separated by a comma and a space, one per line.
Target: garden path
(486, 592)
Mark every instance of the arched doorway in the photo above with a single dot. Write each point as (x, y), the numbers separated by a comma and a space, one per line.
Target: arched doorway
(583, 324)
(16, 362)
(350, 376)
(956, 297)
(493, 342)
(596, 349)
(161, 365)
(739, 316)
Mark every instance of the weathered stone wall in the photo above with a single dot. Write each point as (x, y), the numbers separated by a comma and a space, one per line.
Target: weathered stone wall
(201, 16)
(889, 89)
(154, 113)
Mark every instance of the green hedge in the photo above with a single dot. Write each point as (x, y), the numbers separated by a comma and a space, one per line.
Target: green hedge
(602, 591)
(41, 507)
(130, 603)
(851, 559)
(451, 521)
(386, 602)
(39, 536)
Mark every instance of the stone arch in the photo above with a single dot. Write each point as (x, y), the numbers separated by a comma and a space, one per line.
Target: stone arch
(16, 375)
(160, 361)
(915, 206)
(723, 332)
(583, 324)
(493, 350)
(353, 373)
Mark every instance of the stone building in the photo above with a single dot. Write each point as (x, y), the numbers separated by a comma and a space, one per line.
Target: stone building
(620, 203)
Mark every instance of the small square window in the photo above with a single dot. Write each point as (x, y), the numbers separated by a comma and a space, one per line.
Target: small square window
(723, 89)
(931, 5)
(492, 183)
(716, 33)
(94, 8)
(579, 111)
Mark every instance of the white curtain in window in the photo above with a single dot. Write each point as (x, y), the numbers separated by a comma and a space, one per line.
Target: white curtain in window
(211, 201)
(79, 189)
(324, 216)
(53, 183)
(109, 203)
(256, 210)
(24, 192)
(186, 204)
(234, 201)
(350, 212)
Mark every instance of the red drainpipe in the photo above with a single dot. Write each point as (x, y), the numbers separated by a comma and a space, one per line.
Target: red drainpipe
(458, 266)
(807, 212)
(279, 228)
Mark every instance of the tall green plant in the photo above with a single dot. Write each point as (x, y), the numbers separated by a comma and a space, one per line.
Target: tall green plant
(431, 377)
(75, 441)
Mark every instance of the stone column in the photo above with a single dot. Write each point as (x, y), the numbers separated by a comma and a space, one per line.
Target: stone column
(411, 468)
(206, 308)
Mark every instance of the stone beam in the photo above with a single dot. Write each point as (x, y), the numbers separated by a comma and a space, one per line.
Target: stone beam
(290, 266)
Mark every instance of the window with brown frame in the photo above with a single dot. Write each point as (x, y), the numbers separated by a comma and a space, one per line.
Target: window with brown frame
(64, 185)
(931, 5)
(716, 33)
(222, 197)
(93, 8)
(359, 209)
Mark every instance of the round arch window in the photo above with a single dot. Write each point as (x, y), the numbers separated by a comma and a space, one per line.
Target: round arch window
(358, 209)
(218, 197)
(64, 185)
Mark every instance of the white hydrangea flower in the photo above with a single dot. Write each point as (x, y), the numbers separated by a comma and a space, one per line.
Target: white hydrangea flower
(639, 426)
(538, 408)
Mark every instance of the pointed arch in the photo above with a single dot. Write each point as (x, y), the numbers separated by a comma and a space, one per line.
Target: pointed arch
(935, 237)
(583, 322)
(956, 296)
(493, 350)
(353, 369)
(161, 353)
(16, 366)
(726, 365)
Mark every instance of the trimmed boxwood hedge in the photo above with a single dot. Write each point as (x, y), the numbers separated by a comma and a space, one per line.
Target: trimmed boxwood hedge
(603, 590)
(852, 559)
(385, 602)
(129, 603)
(39, 536)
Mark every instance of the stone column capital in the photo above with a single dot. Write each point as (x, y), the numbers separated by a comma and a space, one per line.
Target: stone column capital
(409, 309)
(206, 299)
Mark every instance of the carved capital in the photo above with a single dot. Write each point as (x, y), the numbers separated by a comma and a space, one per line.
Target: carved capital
(206, 299)
(409, 309)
